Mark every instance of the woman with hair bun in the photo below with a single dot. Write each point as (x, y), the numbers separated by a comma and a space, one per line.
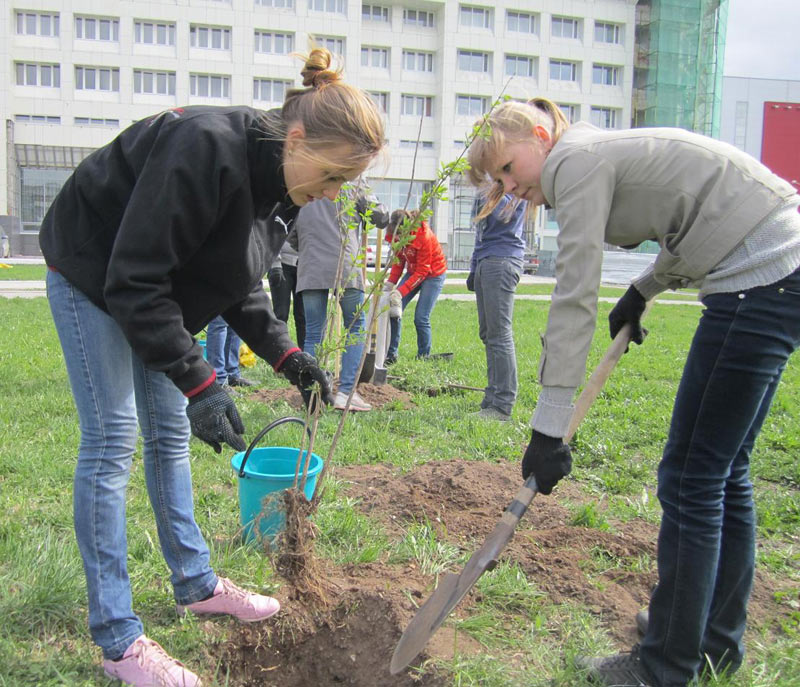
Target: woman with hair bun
(171, 224)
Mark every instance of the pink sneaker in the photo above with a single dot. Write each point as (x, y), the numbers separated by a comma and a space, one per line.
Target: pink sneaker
(229, 599)
(146, 664)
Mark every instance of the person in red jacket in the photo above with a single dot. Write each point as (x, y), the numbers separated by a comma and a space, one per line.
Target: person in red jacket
(426, 264)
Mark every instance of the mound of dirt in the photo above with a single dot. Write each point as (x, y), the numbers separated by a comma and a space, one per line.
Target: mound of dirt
(351, 643)
(377, 395)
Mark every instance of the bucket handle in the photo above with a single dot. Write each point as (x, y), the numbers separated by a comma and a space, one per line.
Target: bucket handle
(260, 435)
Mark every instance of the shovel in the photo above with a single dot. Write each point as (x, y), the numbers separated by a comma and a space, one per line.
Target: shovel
(368, 369)
(452, 588)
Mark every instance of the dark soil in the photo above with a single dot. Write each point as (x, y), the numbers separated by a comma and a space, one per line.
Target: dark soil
(351, 642)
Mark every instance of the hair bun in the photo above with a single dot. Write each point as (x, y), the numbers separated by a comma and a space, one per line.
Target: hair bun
(317, 72)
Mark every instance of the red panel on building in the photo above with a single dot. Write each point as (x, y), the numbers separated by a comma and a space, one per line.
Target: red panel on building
(780, 146)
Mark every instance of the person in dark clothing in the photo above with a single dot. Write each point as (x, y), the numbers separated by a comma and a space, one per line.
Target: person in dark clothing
(171, 224)
(283, 289)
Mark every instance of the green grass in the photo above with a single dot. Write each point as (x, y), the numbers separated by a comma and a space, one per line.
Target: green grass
(23, 272)
(44, 638)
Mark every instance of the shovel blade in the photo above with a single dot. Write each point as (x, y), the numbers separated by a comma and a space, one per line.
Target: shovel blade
(368, 369)
(425, 623)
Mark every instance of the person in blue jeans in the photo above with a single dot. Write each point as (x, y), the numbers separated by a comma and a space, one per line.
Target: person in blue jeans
(726, 225)
(174, 222)
(423, 260)
(222, 353)
(321, 235)
(494, 272)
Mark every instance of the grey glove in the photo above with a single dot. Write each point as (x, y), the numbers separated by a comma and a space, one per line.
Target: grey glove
(276, 277)
(301, 369)
(214, 419)
(395, 303)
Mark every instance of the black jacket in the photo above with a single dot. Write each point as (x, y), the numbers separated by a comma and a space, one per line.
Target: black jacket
(173, 223)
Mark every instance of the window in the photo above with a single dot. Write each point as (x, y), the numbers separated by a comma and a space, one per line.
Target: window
(416, 61)
(519, 65)
(36, 119)
(604, 117)
(270, 90)
(37, 23)
(412, 144)
(95, 121)
(740, 124)
(374, 13)
(97, 79)
(471, 105)
(571, 112)
(418, 18)
(375, 57)
(274, 43)
(561, 70)
(521, 22)
(34, 74)
(395, 193)
(39, 188)
(209, 85)
(96, 29)
(480, 17)
(473, 61)
(335, 6)
(564, 27)
(419, 105)
(380, 99)
(277, 4)
(211, 37)
(606, 33)
(153, 83)
(335, 45)
(154, 33)
(605, 74)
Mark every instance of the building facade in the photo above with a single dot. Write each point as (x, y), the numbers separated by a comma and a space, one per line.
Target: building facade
(79, 71)
(762, 117)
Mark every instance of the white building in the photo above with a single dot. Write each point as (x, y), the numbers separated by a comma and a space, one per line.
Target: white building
(79, 71)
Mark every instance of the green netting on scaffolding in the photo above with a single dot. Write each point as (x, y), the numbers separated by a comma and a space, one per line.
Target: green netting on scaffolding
(679, 63)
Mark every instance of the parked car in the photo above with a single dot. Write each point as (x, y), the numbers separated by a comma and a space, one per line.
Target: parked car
(530, 263)
(371, 252)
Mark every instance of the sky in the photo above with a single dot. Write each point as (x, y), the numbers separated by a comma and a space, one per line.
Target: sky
(763, 39)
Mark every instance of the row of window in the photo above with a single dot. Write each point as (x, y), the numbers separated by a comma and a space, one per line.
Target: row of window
(107, 78)
(218, 37)
(604, 117)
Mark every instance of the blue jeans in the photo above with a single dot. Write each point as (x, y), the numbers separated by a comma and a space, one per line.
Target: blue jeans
(428, 291)
(315, 304)
(496, 280)
(222, 349)
(706, 545)
(112, 389)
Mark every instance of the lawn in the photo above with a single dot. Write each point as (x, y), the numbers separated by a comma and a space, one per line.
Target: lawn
(524, 636)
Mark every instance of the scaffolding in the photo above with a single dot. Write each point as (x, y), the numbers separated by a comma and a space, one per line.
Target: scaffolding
(680, 48)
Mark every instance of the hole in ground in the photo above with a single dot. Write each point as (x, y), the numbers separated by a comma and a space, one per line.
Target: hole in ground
(351, 645)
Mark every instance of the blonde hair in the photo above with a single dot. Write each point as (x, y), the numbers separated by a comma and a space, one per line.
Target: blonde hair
(510, 122)
(333, 112)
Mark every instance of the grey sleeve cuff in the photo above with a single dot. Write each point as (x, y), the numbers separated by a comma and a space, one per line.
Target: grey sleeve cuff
(647, 285)
(553, 410)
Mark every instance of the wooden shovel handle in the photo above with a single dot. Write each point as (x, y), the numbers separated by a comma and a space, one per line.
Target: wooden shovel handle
(604, 368)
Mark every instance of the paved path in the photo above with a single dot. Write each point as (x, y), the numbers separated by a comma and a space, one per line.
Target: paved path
(36, 289)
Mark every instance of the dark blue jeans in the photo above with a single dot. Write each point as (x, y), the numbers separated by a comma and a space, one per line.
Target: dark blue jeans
(706, 545)
(428, 291)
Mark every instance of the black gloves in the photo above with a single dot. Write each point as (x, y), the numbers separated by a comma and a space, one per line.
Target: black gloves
(628, 309)
(301, 369)
(214, 418)
(471, 281)
(275, 277)
(549, 460)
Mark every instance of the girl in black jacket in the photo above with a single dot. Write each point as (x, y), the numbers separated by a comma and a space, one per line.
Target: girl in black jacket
(171, 224)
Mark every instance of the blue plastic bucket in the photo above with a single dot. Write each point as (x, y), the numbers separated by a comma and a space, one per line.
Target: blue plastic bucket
(202, 344)
(266, 470)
